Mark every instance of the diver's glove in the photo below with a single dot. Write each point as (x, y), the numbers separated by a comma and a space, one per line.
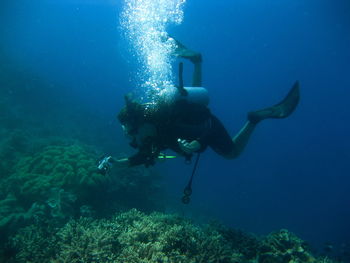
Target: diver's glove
(189, 147)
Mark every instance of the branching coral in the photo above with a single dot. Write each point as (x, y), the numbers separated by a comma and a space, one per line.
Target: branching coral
(167, 238)
(87, 240)
(246, 243)
(13, 217)
(134, 237)
(83, 240)
(284, 246)
(129, 237)
(34, 243)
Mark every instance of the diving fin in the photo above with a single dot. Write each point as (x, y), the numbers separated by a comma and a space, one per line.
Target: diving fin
(280, 110)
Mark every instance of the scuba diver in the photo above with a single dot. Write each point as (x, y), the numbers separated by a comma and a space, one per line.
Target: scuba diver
(181, 121)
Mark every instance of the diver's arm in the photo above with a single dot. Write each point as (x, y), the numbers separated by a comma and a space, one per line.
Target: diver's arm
(108, 162)
(122, 163)
(146, 158)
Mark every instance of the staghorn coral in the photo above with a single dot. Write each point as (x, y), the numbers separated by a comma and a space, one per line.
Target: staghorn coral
(168, 238)
(283, 246)
(34, 243)
(246, 243)
(13, 217)
(129, 237)
(135, 237)
(83, 240)
(87, 240)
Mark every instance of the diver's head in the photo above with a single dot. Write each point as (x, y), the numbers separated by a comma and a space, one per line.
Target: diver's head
(131, 116)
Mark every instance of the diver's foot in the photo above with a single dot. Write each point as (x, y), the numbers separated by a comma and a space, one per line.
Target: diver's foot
(280, 110)
(193, 56)
(184, 52)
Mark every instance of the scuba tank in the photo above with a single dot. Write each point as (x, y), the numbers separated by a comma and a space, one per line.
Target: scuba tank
(197, 95)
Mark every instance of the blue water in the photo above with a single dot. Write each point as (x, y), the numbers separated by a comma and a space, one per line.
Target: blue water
(295, 172)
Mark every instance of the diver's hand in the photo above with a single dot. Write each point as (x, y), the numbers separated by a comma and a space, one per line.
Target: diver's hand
(189, 147)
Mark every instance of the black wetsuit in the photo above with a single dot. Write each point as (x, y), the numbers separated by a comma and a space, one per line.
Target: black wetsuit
(183, 120)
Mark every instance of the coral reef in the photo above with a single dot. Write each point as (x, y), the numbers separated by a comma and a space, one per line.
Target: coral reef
(168, 238)
(84, 240)
(60, 181)
(36, 241)
(246, 243)
(135, 237)
(283, 246)
(71, 168)
(13, 145)
(129, 237)
(12, 217)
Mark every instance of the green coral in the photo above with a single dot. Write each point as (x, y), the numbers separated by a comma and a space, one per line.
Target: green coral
(69, 167)
(13, 217)
(60, 181)
(135, 237)
(13, 145)
(246, 243)
(129, 237)
(168, 238)
(44, 184)
(36, 241)
(283, 246)
(72, 168)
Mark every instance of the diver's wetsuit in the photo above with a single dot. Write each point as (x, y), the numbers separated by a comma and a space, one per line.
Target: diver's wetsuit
(183, 120)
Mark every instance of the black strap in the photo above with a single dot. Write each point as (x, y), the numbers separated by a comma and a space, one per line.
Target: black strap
(181, 88)
(188, 189)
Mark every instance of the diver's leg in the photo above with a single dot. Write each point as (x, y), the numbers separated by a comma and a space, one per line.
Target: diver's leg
(240, 140)
(194, 57)
(280, 110)
(222, 143)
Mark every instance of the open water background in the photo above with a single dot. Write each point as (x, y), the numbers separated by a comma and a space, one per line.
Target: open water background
(294, 173)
